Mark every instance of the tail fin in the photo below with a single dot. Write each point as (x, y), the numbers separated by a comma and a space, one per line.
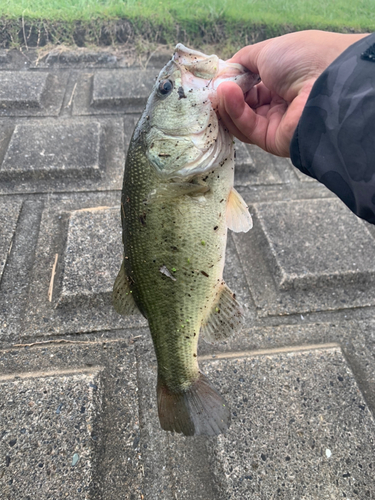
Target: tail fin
(198, 410)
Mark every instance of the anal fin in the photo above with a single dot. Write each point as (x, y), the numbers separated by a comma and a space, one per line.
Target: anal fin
(122, 298)
(237, 215)
(225, 319)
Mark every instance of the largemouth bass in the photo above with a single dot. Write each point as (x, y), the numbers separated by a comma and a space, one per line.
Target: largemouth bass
(177, 203)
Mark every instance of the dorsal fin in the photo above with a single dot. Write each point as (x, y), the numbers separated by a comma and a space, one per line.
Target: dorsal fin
(238, 218)
(225, 319)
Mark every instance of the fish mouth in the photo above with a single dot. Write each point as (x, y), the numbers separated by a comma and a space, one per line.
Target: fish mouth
(200, 71)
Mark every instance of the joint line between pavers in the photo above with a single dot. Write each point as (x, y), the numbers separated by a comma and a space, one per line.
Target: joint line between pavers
(54, 373)
(265, 352)
(44, 343)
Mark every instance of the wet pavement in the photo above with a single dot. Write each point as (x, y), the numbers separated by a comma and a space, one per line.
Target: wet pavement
(78, 415)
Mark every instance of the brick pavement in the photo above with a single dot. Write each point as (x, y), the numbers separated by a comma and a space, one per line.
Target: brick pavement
(78, 413)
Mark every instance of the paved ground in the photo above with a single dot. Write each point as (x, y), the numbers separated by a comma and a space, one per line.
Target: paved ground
(77, 382)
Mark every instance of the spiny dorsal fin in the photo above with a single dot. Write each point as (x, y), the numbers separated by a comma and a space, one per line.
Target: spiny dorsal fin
(122, 298)
(225, 319)
(238, 218)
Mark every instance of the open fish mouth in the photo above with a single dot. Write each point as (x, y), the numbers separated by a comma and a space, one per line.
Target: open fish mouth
(199, 70)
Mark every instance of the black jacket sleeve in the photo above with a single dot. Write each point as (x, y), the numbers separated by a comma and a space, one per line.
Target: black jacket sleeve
(335, 138)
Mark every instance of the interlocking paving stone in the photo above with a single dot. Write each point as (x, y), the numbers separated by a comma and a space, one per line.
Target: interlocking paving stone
(78, 238)
(121, 88)
(92, 255)
(120, 91)
(18, 90)
(311, 258)
(311, 255)
(300, 428)
(24, 93)
(61, 58)
(75, 403)
(6, 131)
(79, 154)
(235, 279)
(96, 58)
(53, 150)
(281, 169)
(9, 213)
(47, 449)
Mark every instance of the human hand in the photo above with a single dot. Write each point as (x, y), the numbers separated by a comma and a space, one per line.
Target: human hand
(288, 66)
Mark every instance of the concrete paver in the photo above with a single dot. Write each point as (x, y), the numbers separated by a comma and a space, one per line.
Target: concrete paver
(31, 94)
(46, 443)
(314, 254)
(78, 415)
(22, 90)
(47, 149)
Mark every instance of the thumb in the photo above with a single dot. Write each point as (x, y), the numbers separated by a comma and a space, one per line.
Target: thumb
(248, 56)
(238, 117)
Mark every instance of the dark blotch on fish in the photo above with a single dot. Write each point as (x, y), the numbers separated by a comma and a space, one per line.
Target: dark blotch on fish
(142, 219)
(181, 93)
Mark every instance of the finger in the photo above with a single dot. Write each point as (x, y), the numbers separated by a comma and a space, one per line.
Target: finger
(248, 56)
(240, 119)
(227, 119)
(231, 94)
(258, 96)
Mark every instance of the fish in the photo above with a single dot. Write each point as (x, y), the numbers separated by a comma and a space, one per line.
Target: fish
(177, 204)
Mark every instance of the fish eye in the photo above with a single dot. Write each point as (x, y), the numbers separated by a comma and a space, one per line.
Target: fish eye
(165, 87)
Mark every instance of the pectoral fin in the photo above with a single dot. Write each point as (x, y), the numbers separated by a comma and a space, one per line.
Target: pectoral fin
(225, 319)
(122, 298)
(238, 218)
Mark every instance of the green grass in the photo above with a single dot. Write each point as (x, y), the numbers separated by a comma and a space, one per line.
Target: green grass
(357, 14)
(162, 21)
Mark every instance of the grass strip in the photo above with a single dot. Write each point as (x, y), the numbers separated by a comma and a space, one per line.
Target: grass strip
(194, 22)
